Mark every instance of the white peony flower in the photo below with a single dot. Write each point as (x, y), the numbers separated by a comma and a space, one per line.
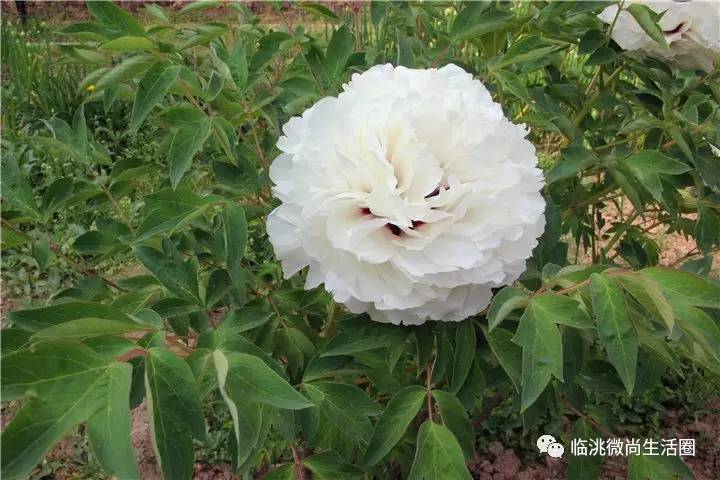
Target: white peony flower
(409, 196)
(691, 28)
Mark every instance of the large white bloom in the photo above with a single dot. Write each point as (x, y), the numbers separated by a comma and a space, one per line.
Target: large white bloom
(409, 195)
(691, 29)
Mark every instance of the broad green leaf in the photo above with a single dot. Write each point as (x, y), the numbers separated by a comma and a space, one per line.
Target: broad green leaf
(542, 353)
(331, 466)
(186, 142)
(177, 275)
(244, 319)
(464, 354)
(648, 293)
(572, 160)
(174, 411)
(393, 422)
(657, 467)
(115, 18)
(109, 428)
(338, 52)
(48, 368)
(617, 335)
(318, 9)
(583, 467)
(126, 70)
(41, 253)
(36, 319)
(198, 6)
(508, 354)
(235, 236)
(504, 302)
(261, 383)
(151, 90)
(456, 419)
(86, 328)
(170, 210)
(246, 416)
(648, 20)
(358, 339)
(560, 309)
(685, 288)
(526, 50)
(648, 165)
(16, 191)
(44, 420)
(476, 19)
(703, 332)
(513, 84)
(438, 455)
(128, 44)
(346, 407)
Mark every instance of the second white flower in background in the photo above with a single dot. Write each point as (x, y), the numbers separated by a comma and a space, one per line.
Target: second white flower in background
(691, 28)
(409, 196)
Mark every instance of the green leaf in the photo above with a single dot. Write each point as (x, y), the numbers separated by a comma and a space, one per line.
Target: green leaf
(198, 6)
(244, 319)
(560, 309)
(115, 18)
(584, 467)
(128, 44)
(617, 335)
(174, 410)
(526, 50)
(542, 352)
(504, 302)
(41, 253)
(513, 84)
(151, 90)
(474, 20)
(16, 191)
(456, 419)
(109, 428)
(126, 70)
(338, 52)
(319, 10)
(345, 407)
(331, 466)
(246, 416)
(648, 20)
(178, 276)
(170, 210)
(260, 382)
(685, 288)
(36, 319)
(465, 340)
(86, 328)
(393, 422)
(48, 368)
(235, 236)
(186, 142)
(359, 339)
(438, 455)
(45, 419)
(648, 293)
(572, 161)
(649, 164)
(508, 354)
(660, 467)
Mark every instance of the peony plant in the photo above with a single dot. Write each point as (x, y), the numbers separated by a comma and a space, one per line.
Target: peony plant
(369, 228)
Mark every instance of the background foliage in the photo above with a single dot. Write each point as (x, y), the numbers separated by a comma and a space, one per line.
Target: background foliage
(134, 192)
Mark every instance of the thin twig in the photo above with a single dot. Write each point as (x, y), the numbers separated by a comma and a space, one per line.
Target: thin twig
(299, 474)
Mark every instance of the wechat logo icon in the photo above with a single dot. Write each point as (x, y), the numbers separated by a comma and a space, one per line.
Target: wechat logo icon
(548, 444)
